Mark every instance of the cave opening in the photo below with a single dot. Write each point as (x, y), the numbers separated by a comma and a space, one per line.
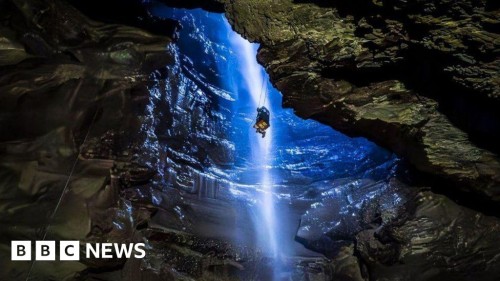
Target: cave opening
(286, 182)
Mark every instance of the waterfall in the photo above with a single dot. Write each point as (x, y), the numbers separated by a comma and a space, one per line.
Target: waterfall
(256, 83)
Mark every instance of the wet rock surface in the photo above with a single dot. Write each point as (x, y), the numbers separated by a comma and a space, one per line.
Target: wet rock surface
(82, 148)
(419, 78)
(108, 135)
(442, 240)
(402, 233)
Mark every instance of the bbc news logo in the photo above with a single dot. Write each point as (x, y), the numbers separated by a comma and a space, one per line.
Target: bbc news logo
(70, 250)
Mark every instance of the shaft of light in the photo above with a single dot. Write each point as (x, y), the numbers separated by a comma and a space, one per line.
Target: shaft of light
(254, 79)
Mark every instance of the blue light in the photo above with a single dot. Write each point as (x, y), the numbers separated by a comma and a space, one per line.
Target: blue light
(297, 156)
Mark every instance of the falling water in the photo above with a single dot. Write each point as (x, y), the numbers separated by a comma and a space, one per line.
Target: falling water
(256, 83)
(271, 179)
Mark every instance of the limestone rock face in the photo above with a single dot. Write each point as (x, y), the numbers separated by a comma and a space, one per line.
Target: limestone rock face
(442, 240)
(420, 78)
(82, 150)
(402, 233)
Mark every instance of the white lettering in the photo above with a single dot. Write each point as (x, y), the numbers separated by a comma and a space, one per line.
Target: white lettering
(139, 249)
(20, 250)
(124, 250)
(107, 250)
(94, 251)
(69, 250)
(45, 250)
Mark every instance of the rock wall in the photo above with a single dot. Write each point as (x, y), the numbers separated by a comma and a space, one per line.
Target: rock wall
(419, 78)
(87, 110)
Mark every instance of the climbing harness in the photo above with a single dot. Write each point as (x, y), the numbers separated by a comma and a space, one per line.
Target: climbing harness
(262, 121)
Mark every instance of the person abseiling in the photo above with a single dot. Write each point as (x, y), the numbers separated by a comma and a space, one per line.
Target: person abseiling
(262, 122)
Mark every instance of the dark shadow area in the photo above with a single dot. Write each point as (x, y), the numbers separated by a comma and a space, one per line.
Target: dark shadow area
(213, 6)
(356, 8)
(427, 71)
(129, 12)
(473, 112)
(472, 200)
(422, 72)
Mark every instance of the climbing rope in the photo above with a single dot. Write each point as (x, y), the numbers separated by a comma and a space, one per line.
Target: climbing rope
(263, 91)
(265, 95)
(67, 183)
